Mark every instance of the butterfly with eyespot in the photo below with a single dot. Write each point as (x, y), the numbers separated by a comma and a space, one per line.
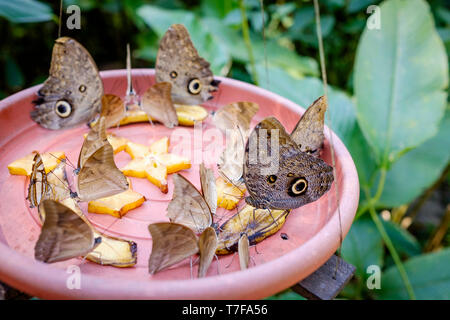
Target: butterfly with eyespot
(190, 213)
(179, 63)
(72, 94)
(278, 174)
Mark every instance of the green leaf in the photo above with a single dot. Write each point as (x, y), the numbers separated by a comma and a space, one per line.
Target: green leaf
(429, 275)
(14, 76)
(359, 5)
(286, 295)
(304, 91)
(215, 52)
(401, 73)
(417, 170)
(403, 241)
(25, 11)
(363, 247)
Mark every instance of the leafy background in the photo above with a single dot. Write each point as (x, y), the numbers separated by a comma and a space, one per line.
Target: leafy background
(388, 101)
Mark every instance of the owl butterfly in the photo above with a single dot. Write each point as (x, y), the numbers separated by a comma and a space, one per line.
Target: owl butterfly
(64, 234)
(234, 119)
(308, 133)
(98, 175)
(179, 63)
(189, 210)
(72, 93)
(277, 174)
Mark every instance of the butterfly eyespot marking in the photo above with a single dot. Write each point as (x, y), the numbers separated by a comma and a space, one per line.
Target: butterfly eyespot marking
(290, 174)
(82, 88)
(194, 86)
(299, 186)
(272, 178)
(63, 108)
(173, 74)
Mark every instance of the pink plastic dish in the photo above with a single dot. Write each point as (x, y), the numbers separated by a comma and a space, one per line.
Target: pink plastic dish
(313, 230)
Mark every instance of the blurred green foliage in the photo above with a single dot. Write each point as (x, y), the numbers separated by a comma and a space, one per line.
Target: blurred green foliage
(388, 96)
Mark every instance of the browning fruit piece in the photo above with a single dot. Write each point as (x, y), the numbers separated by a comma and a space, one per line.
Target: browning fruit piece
(257, 226)
(154, 162)
(228, 195)
(24, 165)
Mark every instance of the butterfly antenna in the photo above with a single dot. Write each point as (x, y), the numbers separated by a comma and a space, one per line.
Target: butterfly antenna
(325, 89)
(60, 18)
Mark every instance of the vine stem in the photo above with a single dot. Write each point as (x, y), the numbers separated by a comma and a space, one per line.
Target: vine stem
(247, 40)
(387, 240)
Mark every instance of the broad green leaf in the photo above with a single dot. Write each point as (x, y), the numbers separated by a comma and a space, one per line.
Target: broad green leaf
(286, 295)
(25, 11)
(208, 47)
(304, 91)
(359, 5)
(429, 275)
(403, 241)
(418, 169)
(363, 246)
(13, 74)
(401, 74)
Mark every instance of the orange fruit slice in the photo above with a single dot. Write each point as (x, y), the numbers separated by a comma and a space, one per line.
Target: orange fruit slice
(228, 195)
(23, 166)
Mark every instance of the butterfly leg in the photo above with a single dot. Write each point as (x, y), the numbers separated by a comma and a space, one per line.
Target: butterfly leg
(232, 259)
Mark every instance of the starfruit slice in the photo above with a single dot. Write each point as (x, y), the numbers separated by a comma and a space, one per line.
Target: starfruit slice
(119, 204)
(228, 195)
(24, 166)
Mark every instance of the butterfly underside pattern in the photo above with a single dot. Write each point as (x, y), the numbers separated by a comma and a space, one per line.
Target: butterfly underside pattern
(234, 119)
(308, 133)
(188, 207)
(113, 110)
(38, 186)
(157, 103)
(64, 234)
(243, 250)
(72, 94)
(179, 63)
(290, 179)
(172, 243)
(95, 139)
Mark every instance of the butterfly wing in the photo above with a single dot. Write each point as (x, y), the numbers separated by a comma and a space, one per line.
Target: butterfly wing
(243, 250)
(208, 184)
(237, 115)
(95, 139)
(72, 94)
(100, 177)
(113, 110)
(308, 133)
(172, 243)
(179, 63)
(157, 103)
(207, 244)
(39, 186)
(188, 207)
(64, 234)
(278, 174)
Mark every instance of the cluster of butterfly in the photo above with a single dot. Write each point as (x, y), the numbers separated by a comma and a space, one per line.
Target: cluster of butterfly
(73, 94)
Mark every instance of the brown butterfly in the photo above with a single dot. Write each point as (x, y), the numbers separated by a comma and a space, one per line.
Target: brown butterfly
(113, 110)
(190, 213)
(234, 119)
(179, 63)
(308, 133)
(173, 242)
(277, 174)
(243, 250)
(64, 234)
(72, 94)
(38, 186)
(98, 175)
(190, 207)
(157, 103)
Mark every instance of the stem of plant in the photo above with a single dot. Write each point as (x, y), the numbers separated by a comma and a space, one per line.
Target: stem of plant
(248, 42)
(387, 240)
